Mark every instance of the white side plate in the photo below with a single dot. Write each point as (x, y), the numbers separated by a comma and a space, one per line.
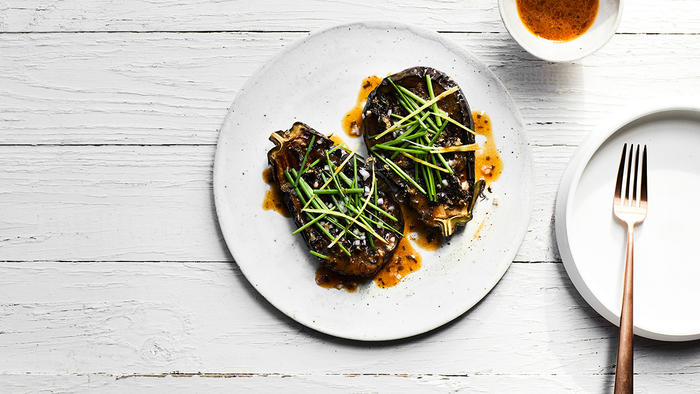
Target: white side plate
(316, 81)
(666, 264)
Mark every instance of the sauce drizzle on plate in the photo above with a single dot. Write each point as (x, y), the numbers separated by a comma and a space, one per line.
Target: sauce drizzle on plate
(426, 237)
(487, 161)
(404, 261)
(273, 195)
(333, 280)
(352, 121)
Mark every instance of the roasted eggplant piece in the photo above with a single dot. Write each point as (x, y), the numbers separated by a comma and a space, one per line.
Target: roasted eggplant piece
(429, 155)
(343, 208)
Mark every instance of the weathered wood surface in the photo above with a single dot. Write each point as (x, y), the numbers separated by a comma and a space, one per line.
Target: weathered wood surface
(113, 274)
(351, 383)
(155, 203)
(670, 16)
(137, 318)
(174, 88)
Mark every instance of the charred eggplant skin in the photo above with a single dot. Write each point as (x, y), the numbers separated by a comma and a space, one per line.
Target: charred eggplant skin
(454, 200)
(291, 146)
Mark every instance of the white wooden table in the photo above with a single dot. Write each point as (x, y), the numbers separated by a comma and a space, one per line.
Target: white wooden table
(113, 273)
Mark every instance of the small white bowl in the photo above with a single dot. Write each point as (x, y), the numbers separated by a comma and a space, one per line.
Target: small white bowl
(602, 30)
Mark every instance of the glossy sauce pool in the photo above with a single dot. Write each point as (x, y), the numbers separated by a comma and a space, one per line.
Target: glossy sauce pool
(557, 20)
(487, 161)
(428, 238)
(405, 260)
(273, 195)
(352, 121)
(332, 280)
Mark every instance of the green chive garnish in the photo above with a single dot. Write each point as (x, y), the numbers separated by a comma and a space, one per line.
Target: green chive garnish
(306, 156)
(319, 255)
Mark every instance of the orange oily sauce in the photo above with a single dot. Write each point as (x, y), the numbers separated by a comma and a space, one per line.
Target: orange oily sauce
(557, 20)
(336, 140)
(352, 121)
(273, 195)
(487, 161)
(426, 237)
(404, 261)
(333, 280)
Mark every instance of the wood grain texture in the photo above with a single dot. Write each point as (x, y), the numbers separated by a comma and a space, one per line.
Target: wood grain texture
(132, 203)
(137, 318)
(676, 16)
(106, 148)
(168, 88)
(341, 383)
(174, 89)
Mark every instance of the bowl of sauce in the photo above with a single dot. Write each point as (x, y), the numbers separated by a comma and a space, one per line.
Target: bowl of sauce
(561, 30)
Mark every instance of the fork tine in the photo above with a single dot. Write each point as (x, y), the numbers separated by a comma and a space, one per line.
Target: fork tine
(629, 176)
(643, 191)
(620, 173)
(633, 202)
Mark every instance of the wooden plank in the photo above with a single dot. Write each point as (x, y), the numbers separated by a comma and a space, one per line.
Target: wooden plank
(678, 16)
(65, 94)
(307, 383)
(156, 203)
(124, 88)
(119, 319)
(175, 88)
(108, 203)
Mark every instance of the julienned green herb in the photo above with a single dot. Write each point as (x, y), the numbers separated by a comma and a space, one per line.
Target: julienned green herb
(414, 137)
(354, 213)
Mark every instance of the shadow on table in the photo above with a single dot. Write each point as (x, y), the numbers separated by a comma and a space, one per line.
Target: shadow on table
(650, 356)
(528, 78)
(273, 311)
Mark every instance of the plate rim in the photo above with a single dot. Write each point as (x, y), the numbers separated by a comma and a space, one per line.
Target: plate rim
(567, 190)
(527, 186)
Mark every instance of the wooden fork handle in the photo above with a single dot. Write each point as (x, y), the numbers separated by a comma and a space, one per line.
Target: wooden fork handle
(624, 370)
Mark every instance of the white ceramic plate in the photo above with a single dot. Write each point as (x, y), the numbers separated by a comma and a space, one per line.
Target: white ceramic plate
(666, 263)
(316, 81)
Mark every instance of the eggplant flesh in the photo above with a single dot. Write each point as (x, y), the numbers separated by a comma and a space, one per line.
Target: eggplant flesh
(364, 259)
(457, 192)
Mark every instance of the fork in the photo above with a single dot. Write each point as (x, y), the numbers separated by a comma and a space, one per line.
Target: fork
(631, 209)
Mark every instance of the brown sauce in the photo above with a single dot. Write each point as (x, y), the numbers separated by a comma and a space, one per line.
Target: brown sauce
(352, 121)
(487, 161)
(558, 20)
(273, 195)
(333, 280)
(404, 261)
(336, 140)
(426, 237)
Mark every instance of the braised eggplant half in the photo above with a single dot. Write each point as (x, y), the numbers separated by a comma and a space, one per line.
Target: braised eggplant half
(342, 205)
(418, 125)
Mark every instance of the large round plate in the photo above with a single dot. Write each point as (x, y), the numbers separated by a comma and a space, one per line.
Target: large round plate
(316, 81)
(592, 243)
